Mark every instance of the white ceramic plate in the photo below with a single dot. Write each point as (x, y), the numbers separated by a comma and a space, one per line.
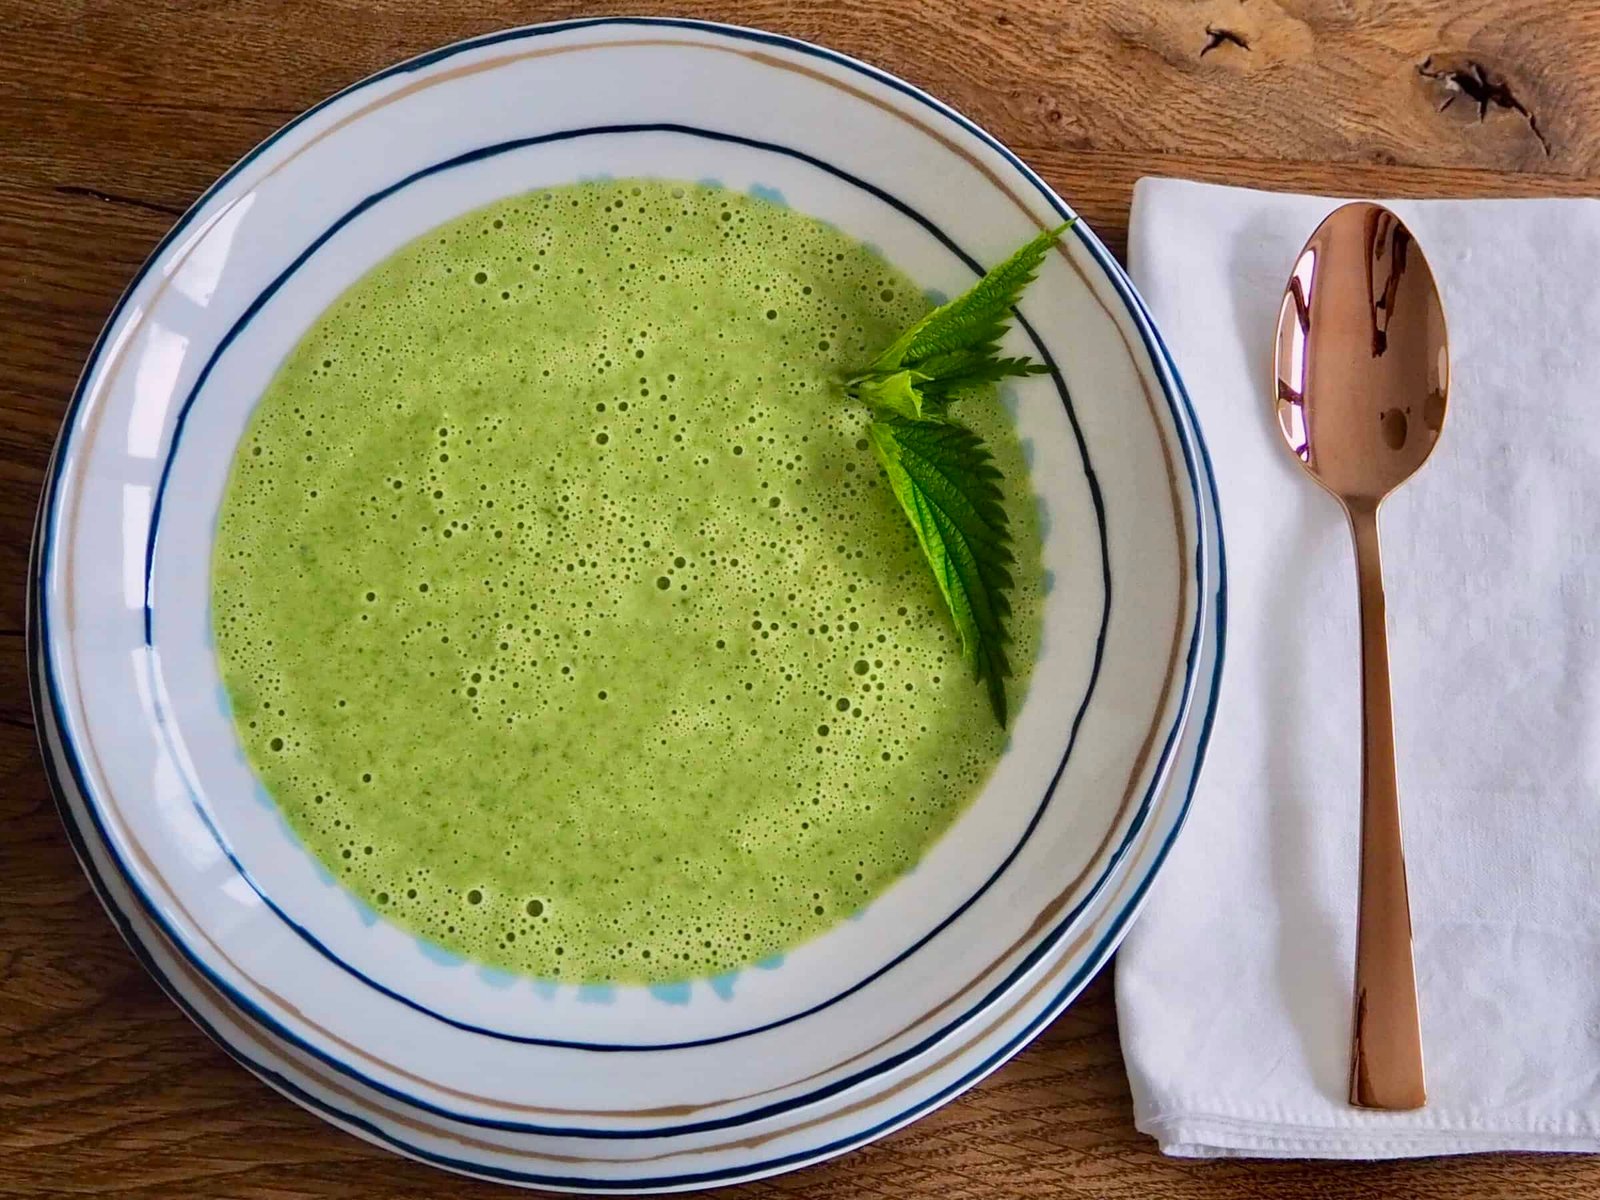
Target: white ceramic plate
(1031, 887)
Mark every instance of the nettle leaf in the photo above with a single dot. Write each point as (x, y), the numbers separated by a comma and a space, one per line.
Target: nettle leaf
(945, 480)
(940, 471)
(992, 371)
(977, 319)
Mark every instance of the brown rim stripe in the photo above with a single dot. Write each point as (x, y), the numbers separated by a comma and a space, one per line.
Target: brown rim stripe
(1051, 910)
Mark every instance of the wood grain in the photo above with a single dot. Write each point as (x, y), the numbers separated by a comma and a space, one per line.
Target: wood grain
(115, 116)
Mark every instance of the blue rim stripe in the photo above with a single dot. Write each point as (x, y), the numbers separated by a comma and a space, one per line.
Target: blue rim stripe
(771, 1109)
(1166, 371)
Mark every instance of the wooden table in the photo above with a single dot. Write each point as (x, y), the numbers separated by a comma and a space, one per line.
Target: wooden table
(115, 116)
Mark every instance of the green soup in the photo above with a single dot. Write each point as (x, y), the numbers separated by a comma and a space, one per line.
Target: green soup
(563, 608)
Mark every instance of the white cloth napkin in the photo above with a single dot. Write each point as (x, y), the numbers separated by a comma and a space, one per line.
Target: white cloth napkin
(1234, 989)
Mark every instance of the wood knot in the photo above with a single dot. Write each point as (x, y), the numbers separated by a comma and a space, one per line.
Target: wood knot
(1465, 83)
(1218, 36)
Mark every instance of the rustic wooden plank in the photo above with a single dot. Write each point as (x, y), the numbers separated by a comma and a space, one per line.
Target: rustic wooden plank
(1298, 79)
(117, 115)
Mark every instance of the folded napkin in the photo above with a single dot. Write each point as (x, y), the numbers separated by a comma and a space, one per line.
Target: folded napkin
(1234, 989)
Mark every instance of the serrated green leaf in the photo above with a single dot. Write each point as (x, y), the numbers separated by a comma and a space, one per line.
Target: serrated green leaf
(991, 371)
(951, 363)
(941, 473)
(978, 318)
(945, 479)
(957, 345)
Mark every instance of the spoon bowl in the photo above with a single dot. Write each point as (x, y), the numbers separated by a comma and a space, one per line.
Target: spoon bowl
(1363, 368)
(1362, 355)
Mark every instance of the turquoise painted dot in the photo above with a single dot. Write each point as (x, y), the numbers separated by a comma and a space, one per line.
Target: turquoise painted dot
(670, 993)
(495, 977)
(434, 952)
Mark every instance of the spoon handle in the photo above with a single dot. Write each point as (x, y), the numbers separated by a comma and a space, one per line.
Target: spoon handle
(1386, 1051)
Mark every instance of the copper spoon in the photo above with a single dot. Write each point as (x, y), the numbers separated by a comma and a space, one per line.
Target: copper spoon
(1362, 375)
